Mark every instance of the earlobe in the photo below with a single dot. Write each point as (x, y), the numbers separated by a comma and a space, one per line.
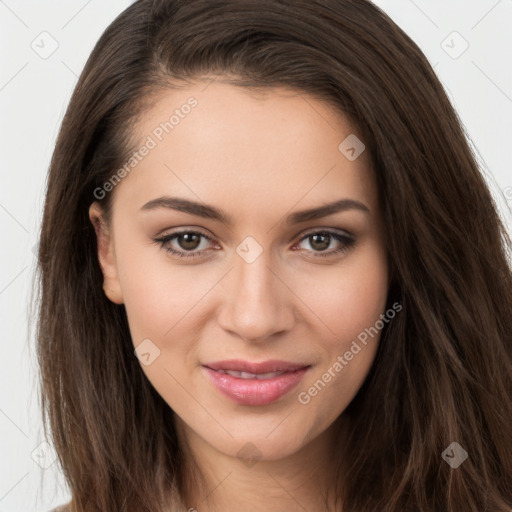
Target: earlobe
(106, 254)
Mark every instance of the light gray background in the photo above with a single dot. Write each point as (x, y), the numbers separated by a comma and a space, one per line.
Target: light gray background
(34, 91)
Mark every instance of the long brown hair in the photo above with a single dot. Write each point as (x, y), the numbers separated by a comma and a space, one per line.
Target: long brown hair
(443, 370)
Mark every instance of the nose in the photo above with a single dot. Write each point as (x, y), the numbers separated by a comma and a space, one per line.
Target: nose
(257, 304)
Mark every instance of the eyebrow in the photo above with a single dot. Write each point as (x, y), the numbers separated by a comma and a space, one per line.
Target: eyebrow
(210, 212)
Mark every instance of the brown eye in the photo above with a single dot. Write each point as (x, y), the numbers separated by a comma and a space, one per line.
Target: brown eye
(321, 240)
(186, 243)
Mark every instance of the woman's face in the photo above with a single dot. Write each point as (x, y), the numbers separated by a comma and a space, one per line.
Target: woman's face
(258, 279)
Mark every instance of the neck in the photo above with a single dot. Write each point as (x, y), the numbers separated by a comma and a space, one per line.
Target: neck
(216, 482)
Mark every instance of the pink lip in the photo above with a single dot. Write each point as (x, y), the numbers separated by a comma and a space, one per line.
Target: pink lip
(271, 365)
(255, 391)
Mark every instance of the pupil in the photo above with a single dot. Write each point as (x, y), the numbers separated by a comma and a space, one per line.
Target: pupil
(187, 237)
(323, 245)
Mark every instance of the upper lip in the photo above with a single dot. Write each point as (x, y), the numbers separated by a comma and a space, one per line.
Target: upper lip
(271, 365)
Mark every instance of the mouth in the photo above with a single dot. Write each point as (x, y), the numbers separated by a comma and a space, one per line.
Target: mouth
(255, 384)
(247, 375)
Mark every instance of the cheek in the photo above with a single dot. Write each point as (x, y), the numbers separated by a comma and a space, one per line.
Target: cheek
(347, 302)
(159, 295)
(162, 304)
(348, 297)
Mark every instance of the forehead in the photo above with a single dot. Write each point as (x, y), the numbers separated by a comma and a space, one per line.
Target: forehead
(220, 142)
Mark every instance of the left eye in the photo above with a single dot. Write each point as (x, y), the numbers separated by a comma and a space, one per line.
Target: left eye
(323, 239)
(189, 241)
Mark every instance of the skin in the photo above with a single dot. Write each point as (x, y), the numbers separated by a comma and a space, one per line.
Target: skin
(258, 157)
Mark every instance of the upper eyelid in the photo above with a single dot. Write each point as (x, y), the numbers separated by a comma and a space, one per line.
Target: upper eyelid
(328, 230)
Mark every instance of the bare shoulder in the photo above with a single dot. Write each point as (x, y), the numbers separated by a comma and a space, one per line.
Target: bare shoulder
(176, 504)
(61, 508)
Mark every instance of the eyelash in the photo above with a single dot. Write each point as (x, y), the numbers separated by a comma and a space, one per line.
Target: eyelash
(346, 241)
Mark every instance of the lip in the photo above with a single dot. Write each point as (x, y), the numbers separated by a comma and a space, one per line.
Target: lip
(253, 391)
(271, 365)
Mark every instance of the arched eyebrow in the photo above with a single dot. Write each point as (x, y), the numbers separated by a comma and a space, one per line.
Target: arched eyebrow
(210, 212)
(325, 210)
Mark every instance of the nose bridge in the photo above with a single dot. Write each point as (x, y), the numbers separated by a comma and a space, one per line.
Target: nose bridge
(257, 302)
(255, 280)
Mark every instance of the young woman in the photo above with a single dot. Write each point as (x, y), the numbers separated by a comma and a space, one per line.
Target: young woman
(272, 275)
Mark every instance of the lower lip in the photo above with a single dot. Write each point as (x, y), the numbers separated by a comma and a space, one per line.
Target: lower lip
(255, 391)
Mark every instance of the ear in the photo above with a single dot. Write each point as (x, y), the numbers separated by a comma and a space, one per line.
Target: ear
(106, 254)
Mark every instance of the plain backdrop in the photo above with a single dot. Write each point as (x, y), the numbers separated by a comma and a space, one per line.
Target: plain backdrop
(44, 45)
